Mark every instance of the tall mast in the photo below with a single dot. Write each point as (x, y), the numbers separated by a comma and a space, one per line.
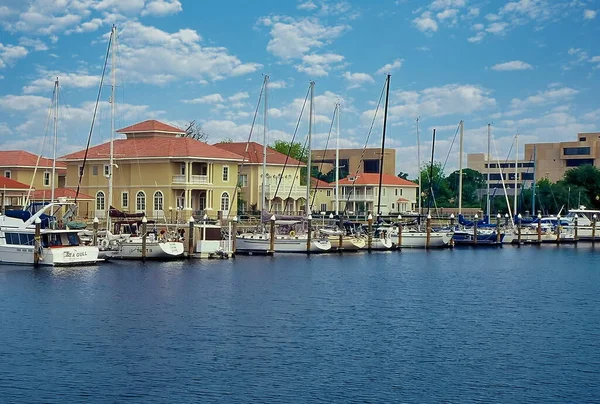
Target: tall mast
(264, 163)
(533, 186)
(419, 170)
(430, 197)
(516, 173)
(308, 161)
(489, 160)
(460, 167)
(113, 70)
(55, 142)
(337, 160)
(385, 111)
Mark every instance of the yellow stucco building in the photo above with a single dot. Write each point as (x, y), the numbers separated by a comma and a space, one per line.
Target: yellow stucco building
(158, 172)
(31, 169)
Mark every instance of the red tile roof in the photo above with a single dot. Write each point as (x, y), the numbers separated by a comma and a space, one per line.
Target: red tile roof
(165, 147)
(373, 179)
(46, 194)
(319, 184)
(151, 126)
(254, 155)
(7, 183)
(22, 158)
(402, 200)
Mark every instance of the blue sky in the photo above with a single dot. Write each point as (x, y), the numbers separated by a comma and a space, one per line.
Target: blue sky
(527, 66)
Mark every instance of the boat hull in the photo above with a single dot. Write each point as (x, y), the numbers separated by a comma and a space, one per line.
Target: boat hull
(260, 244)
(132, 249)
(50, 256)
(419, 240)
(348, 243)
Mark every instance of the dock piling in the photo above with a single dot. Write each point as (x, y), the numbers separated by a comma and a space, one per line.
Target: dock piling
(498, 217)
(37, 239)
(191, 237)
(233, 235)
(428, 224)
(272, 235)
(399, 231)
(519, 219)
(475, 228)
(144, 236)
(370, 232)
(539, 228)
(309, 234)
(95, 234)
(594, 220)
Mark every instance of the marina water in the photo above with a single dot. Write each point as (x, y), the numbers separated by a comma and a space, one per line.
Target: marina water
(462, 325)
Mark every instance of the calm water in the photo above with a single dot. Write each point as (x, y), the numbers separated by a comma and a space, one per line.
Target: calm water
(508, 325)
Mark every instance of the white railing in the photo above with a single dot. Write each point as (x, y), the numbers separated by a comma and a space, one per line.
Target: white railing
(359, 197)
(179, 179)
(298, 191)
(199, 179)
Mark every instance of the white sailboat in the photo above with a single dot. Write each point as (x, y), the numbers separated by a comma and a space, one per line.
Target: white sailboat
(53, 247)
(292, 242)
(123, 245)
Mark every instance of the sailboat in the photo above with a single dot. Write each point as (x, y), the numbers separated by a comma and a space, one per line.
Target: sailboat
(128, 245)
(339, 238)
(28, 237)
(291, 242)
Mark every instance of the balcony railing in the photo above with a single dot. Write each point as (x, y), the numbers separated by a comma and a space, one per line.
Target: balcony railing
(285, 191)
(196, 179)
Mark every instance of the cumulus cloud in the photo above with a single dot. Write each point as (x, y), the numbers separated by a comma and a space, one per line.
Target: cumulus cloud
(161, 8)
(546, 97)
(207, 99)
(512, 65)
(10, 53)
(319, 65)
(45, 82)
(425, 23)
(356, 80)
(589, 14)
(390, 67)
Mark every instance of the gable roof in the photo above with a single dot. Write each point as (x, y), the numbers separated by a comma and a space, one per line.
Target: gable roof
(160, 147)
(316, 183)
(254, 155)
(373, 179)
(8, 183)
(46, 194)
(22, 158)
(151, 126)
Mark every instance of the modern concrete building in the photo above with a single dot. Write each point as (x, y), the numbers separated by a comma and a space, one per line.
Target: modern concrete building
(504, 169)
(350, 160)
(155, 171)
(552, 160)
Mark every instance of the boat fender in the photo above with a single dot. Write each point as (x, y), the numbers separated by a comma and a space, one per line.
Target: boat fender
(104, 243)
(292, 233)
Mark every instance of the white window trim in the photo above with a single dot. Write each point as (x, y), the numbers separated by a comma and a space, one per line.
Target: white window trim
(228, 202)
(162, 200)
(9, 174)
(122, 205)
(106, 170)
(94, 170)
(223, 170)
(49, 178)
(103, 208)
(80, 171)
(136, 202)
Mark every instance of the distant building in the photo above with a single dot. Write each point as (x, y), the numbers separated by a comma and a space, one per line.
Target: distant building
(503, 169)
(351, 162)
(554, 159)
(12, 193)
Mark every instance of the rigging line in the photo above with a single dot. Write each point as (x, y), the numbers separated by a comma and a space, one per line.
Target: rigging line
(93, 118)
(451, 145)
(365, 147)
(297, 167)
(287, 157)
(42, 146)
(321, 165)
(500, 168)
(235, 192)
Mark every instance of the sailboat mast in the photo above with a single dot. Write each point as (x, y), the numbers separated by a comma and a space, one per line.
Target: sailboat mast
(385, 112)
(113, 70)
(264, 163)
(489, 160)
(533, 186)
(419, 171)
(308, 160)
(337, 160)
(516, 173)
(430, 197)
(460, 166)
(55, 141)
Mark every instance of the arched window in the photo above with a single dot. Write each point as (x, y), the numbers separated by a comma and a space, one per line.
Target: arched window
(140, 201)
(158, 201)
(100, 201)
(225, 201)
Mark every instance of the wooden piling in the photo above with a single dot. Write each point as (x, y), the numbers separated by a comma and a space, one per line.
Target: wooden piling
(594, 219)
(95, 233)
(37, 241)
(370, 232)
(428, 226)
(144, 236)
(233, 236)
(498, 228)
(309, 235)
(272, 235)
(475, 229)
(191, 237)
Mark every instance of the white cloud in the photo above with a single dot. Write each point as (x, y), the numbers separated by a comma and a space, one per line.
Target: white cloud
(390, 67)
(449, 13)
(292, 39)
(512, 65)
(319, 65)
(161, 8)
(425, 23)
(356, 80)
(307, 5)
(151, 55)
(478, 37)
(10, 53)
(36, 44)
(445, 4)
(497, 28)
(277, 84)
(24, 102)
(589, 14)
(437, 101)
(238, 96)
(45, 83)
(550, 96)
(324, 102)
(88, 26)
(207, 99)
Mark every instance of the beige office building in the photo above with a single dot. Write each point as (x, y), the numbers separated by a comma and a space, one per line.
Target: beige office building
(504, 169)
(350, 160)
(554, 159)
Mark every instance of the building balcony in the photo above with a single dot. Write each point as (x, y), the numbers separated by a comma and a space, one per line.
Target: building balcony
(358, 197)
(195, 179)
(285, 191)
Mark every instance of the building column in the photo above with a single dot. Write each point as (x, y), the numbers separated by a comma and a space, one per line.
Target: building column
(188, 171)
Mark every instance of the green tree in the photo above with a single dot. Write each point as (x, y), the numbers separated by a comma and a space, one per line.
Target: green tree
(294, 150)
(472, 181)
(438, 184)
(585, 179)
(403, 175)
